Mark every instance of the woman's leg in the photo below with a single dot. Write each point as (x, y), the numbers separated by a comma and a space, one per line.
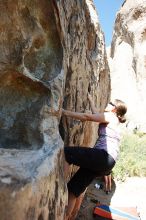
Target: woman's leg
(71, 204)
(76, 188)
(93, 162)
(77, 206)
(93, 159)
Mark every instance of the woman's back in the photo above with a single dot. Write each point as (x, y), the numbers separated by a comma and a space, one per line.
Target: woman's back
(108, 137)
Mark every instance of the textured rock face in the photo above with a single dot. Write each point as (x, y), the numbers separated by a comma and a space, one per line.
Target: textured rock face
(52, 53)
(86, 67)
(128, 60)
(31, 177)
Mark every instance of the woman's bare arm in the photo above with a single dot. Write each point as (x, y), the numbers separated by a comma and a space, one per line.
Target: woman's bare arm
(98, 117)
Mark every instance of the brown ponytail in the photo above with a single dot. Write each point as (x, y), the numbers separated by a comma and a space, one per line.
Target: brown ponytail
(121, 110)
(122, 119)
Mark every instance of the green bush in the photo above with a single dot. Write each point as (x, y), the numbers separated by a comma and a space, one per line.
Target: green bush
(132, 158)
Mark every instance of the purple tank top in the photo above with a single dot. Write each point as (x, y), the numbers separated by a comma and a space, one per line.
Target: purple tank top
(108, 140)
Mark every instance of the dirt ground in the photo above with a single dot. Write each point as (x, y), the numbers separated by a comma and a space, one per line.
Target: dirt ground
(131, 193)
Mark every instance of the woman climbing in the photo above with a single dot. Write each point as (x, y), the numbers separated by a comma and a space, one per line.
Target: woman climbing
(98, 160)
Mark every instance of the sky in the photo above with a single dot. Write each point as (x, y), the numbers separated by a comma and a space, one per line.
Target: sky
(107, 10)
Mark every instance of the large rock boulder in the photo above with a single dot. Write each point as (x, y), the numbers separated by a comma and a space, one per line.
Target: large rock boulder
(128, 61)
(86, 68)
(52, 53)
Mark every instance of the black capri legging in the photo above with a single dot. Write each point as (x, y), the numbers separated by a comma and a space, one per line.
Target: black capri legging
(93, 162)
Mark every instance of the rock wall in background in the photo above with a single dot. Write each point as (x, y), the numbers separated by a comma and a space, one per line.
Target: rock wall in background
(52, 54)
(128, 61)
